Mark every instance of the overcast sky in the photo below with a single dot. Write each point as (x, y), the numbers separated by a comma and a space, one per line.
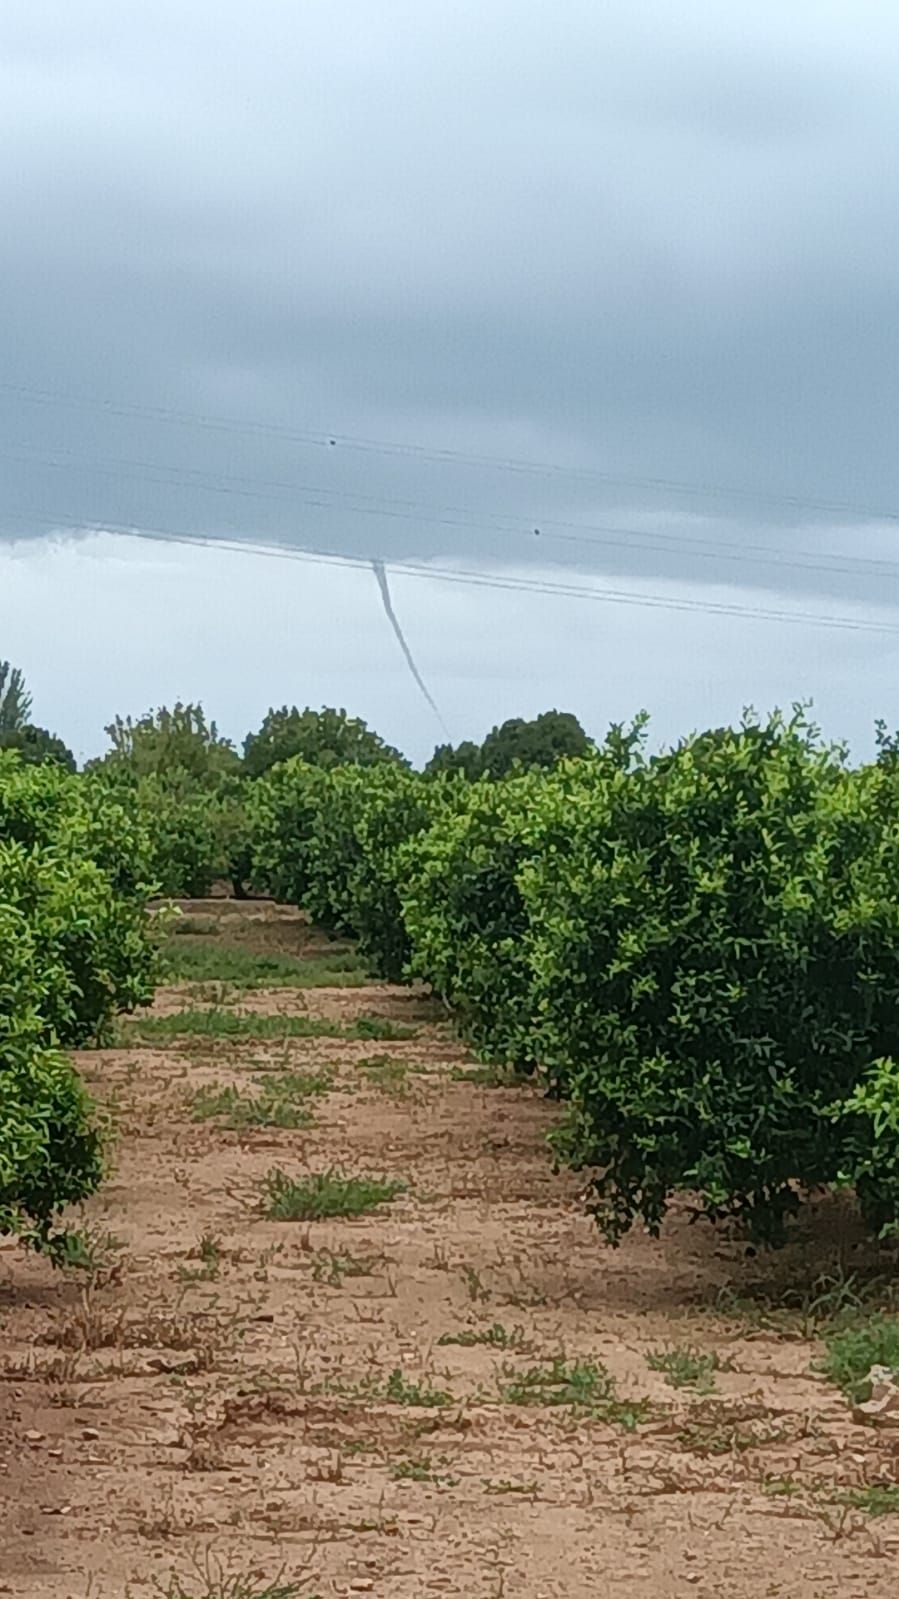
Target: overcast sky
(411, 281)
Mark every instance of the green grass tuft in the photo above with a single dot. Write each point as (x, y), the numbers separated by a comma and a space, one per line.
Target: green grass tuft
(495, 1337)
(331, 1268)
(199, 963)
(851, 1350)
(412, 1470)
(686, 1368)
(584, 1385)
(380, 1027)
(878, 1499)
(210, 1584)
(387, 1073)
(279, 1102)
(324, 1194)
(488, 1076)
(217, 1022)
(400, 1391)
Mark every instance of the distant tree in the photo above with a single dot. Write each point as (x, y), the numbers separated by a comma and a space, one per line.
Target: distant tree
(540, 742)
(465, 758)
(164, 742)
(321, 738)
(15, 700)
(516, 745)
(887, 745)
(37, 747)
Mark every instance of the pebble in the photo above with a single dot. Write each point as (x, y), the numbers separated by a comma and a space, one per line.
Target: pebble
(32, 1436)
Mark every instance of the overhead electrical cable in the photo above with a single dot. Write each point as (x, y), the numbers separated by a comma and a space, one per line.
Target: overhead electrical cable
(484, 579)
(324, 438)
(588, 534)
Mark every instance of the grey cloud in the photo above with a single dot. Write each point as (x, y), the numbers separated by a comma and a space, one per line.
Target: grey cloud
(654, 242)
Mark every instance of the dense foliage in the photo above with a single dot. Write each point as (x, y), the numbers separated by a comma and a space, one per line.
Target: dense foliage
(76, 946)
(464, 917)
(328, 840)
(37, 747)
(698, 952)
(323, 738)
(175, 771)
(180, 740)
(715, 958)
(50, 1151)
(15, 700)
(516, 745)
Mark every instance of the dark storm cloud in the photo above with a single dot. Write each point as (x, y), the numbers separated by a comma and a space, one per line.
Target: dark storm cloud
(615, 237)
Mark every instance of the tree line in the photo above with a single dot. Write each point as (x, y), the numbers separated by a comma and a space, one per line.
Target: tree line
(182, 739)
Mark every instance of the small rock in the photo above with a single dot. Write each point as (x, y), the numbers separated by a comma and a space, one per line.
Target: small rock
(90, 1434)
(883, 1406)
(32, 1436)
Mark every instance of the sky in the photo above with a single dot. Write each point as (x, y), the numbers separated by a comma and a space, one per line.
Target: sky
(599, 296)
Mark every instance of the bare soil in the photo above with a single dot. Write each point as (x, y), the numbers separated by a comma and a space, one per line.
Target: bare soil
(232, 1419)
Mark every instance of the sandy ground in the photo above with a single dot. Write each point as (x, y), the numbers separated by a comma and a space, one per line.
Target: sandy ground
(163, 1422)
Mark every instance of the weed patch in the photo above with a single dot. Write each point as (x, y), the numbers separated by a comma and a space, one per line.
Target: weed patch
(584, 1386)
(495, 1337)
(387, 1073)
(217, 1022)
(686, 1368)
(279, 1102)
(421, 1470)
(248, 969)
(209, 1585)
(89, 1249)
(878, 1499)
(380, 1027)
(331, 1269)
(851, 1351)
(398, 1390)
(209, 1254)
(324, 1194)
(487, 1076)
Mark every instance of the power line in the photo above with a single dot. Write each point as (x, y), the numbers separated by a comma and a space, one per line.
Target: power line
(505, 582)
(325, 439)
(589, 534)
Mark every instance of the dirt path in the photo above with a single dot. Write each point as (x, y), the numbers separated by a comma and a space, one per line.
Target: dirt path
(354, 1401)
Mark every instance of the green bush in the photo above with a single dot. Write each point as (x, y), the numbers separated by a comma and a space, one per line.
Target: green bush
(462, 904)
(715, 957)
(180, 741)
(325, 738)
(183, 783)
(328, 840)
(281, 810)
(50, 1151)
(76, 946)
(88, 817)
(38, 747)
(464, 917)
(184, 825)
(515, 746)
(362, 822)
